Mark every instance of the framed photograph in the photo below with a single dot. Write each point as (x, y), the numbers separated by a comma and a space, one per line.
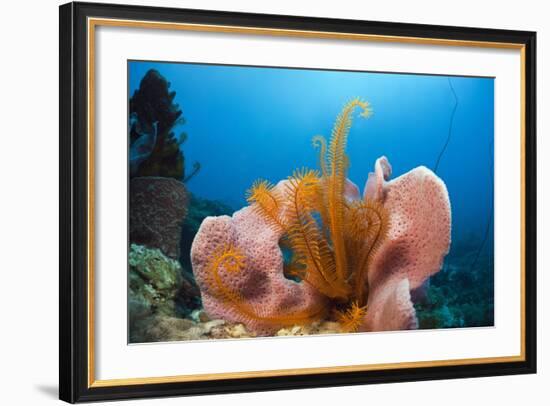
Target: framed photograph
(255, 202)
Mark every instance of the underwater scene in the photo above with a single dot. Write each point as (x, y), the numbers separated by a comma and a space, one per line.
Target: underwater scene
(269, 201)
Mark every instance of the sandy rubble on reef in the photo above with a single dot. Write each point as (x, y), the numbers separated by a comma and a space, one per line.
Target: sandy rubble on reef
(200, 327)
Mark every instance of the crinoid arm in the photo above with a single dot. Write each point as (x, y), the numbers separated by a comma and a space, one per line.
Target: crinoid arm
(267, 201)
(306, 239)
(351, 319)
(367, 227)
(228, 260)
(322, 204)
(337, 170)
(331, 239)
(320, 142)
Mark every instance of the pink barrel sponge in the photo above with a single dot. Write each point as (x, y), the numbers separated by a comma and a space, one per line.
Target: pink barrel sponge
(261, 284)
(419, 238)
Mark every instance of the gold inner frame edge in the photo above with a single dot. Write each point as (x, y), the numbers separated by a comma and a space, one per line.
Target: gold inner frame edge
(92, 23)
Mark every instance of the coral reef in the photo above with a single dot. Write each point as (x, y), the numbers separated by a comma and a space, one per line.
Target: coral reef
(154, 147)
(458, 296)
(165, 328)
(188, 296)
(351, 259)
(158, 207)
(153, 282)
(163, 217)
(158, 290)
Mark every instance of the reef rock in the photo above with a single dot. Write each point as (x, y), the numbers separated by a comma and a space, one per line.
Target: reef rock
(188, 296)
(261, 285)
(419, 237)
(153, 283)
(158, 207)
(163, 328)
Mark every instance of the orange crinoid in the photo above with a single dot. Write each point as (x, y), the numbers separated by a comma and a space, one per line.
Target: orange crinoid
(310, 248)
(331, 239)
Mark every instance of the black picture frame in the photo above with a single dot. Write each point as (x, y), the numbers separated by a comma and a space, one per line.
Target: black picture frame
(74, 385)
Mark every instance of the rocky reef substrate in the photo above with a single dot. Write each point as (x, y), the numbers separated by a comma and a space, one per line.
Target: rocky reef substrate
(157, 286)
(162, 328)
(162, 293)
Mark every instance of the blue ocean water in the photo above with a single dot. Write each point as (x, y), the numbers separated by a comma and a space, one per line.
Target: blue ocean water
(245, 123)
